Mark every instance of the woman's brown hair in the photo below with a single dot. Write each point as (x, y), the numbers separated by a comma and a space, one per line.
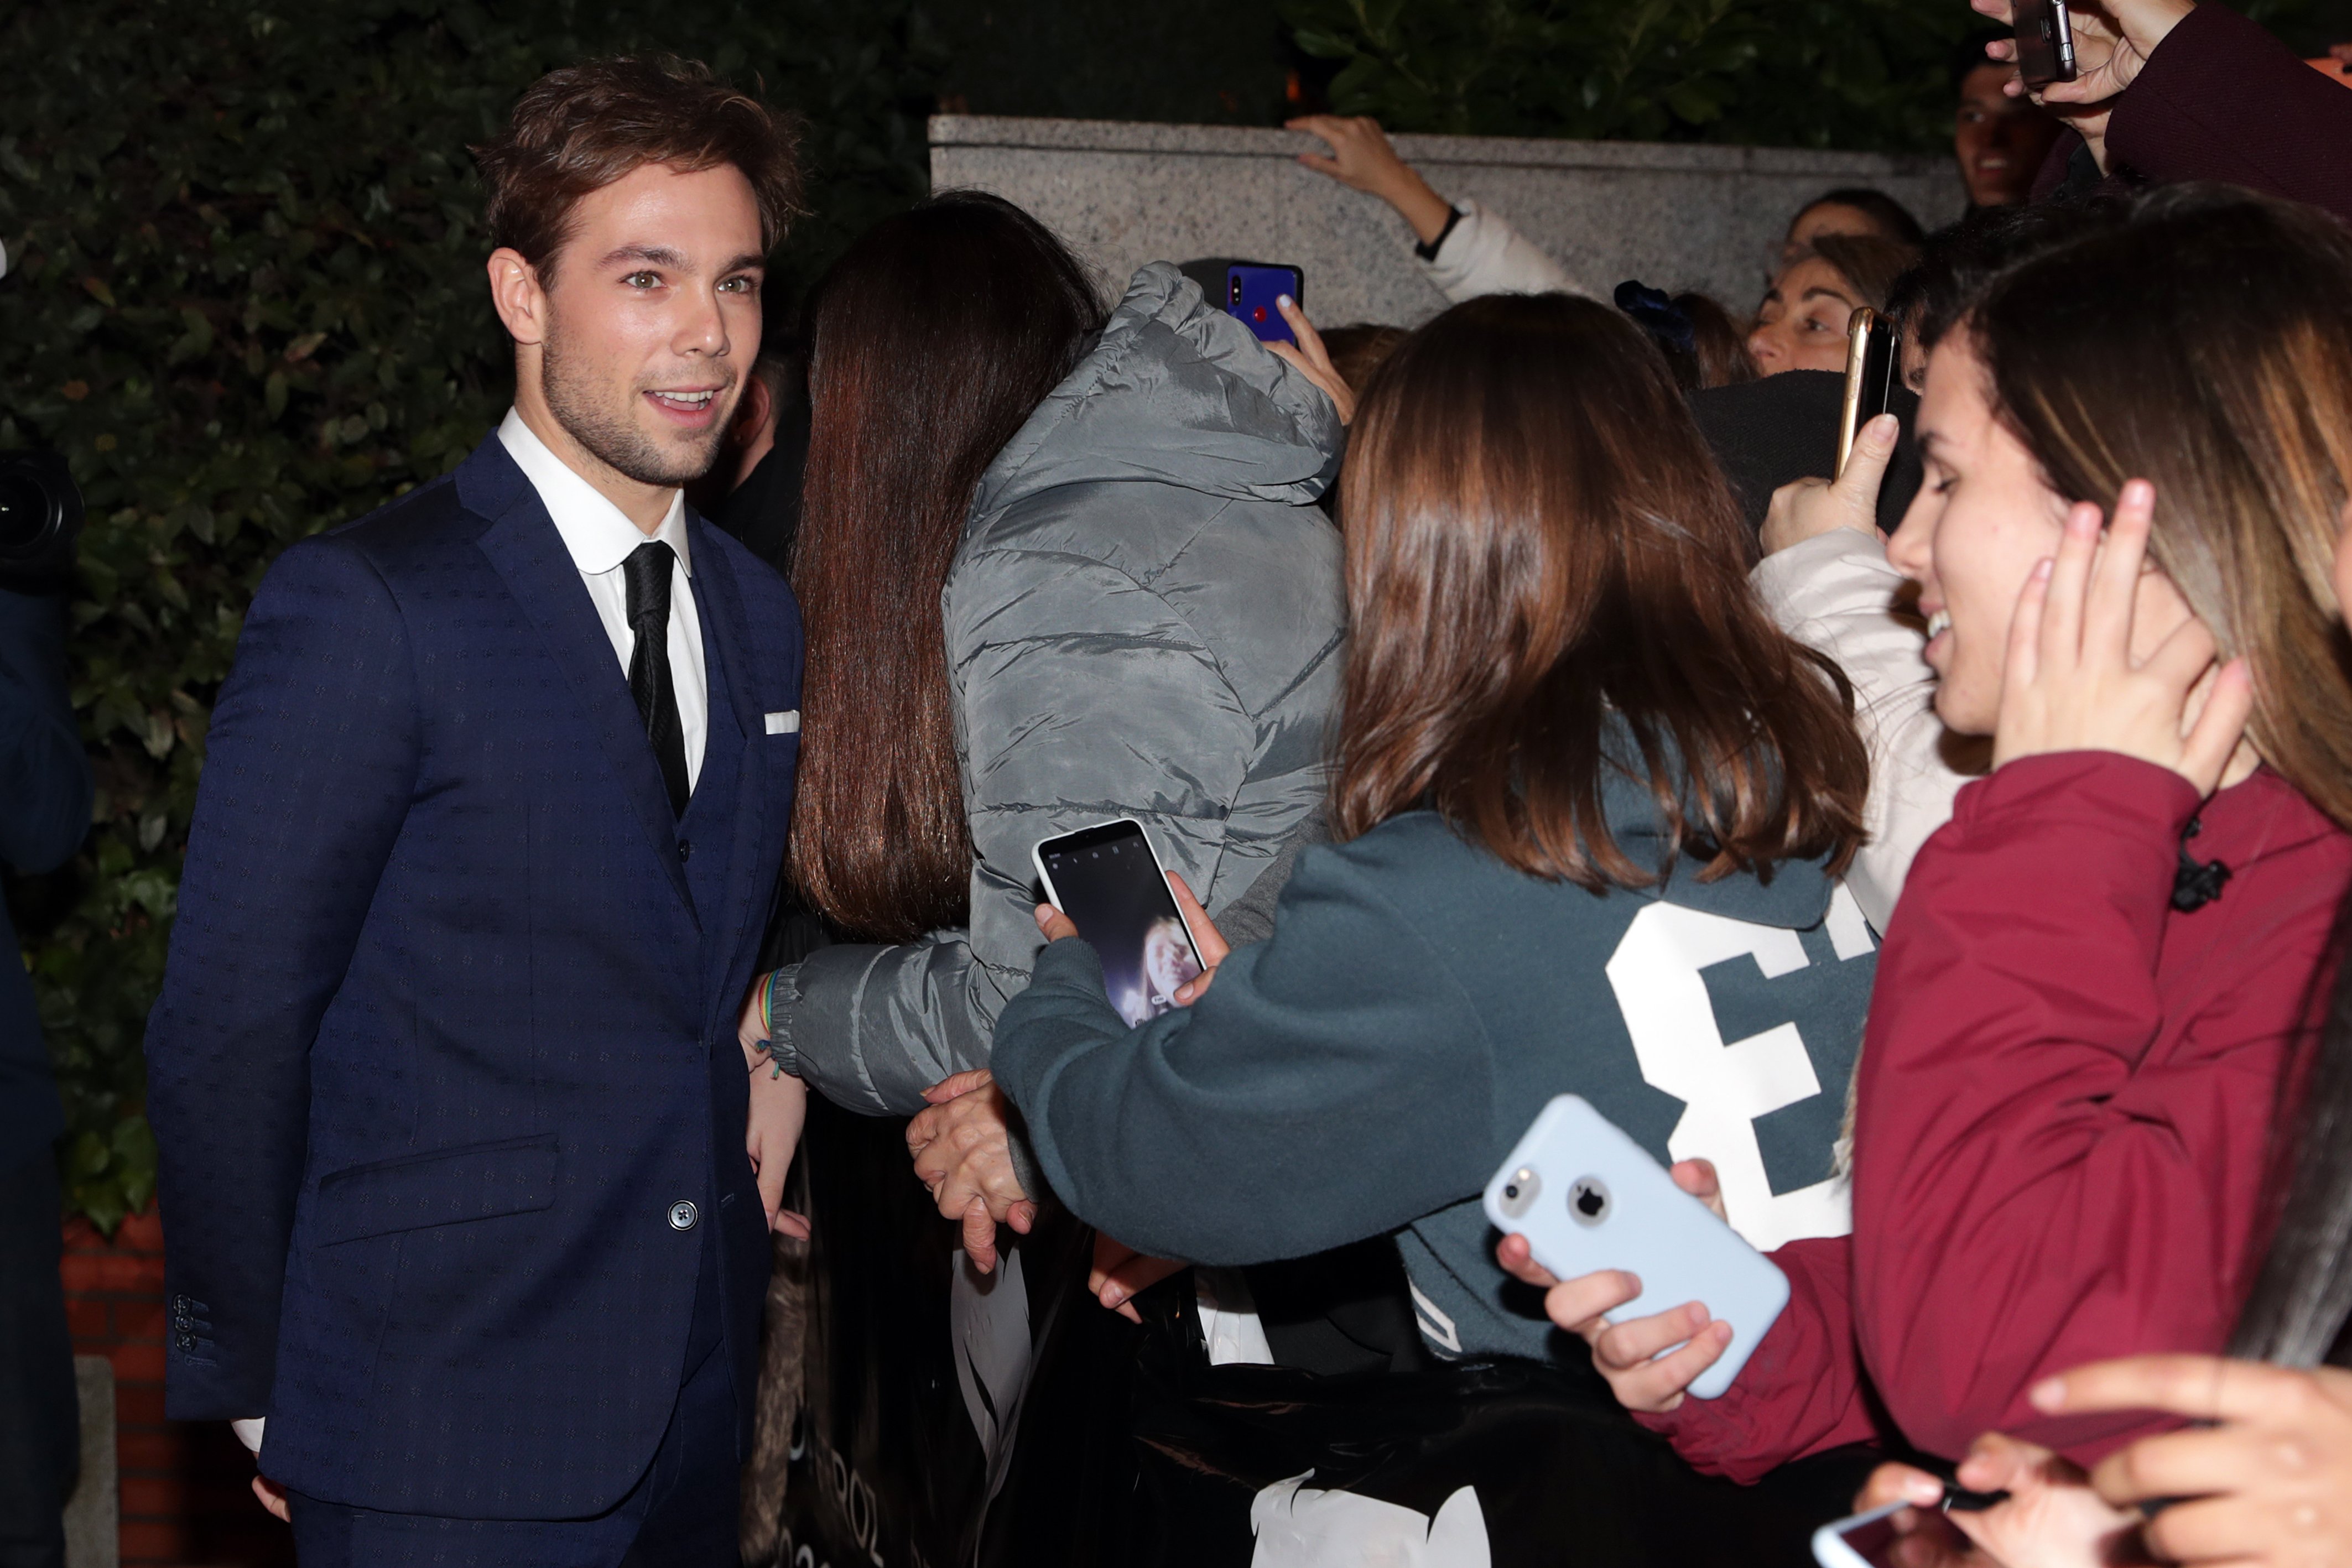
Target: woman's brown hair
(1548, 585)
(2203, 342)
(931, 342)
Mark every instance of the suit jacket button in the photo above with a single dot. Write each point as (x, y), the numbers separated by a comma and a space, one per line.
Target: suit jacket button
(179, 1304)
(187, 1342)
(682, 1216)
(685, 849)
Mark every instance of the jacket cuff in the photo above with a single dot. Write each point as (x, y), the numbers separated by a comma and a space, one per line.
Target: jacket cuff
(783, 1004)
(1427, 249)
(1782, 578)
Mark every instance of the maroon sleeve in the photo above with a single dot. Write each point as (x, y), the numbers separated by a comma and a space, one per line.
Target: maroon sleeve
(2223, 100)
(1799, 1393)
(2048, 1169)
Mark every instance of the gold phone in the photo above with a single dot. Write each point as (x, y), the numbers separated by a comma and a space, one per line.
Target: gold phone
(1870, 361)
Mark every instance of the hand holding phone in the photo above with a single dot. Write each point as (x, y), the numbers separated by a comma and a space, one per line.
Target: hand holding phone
(1108, 880)
(1871, 363)
(1251, 292)
(2045, 42)
(1591, 1201)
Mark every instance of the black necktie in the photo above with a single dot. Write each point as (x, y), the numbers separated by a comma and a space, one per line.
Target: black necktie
(649, 678)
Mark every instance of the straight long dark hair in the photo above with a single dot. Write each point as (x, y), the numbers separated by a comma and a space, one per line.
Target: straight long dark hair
(1540, 548)
(931, 342)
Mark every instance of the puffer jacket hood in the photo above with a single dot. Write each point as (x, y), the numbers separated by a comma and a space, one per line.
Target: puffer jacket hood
(1175, 392)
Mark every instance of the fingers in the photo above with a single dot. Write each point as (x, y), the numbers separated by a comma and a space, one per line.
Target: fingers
(1205, 935)
(1620, 1347)
(1576, 1304)
(1999, 10)
(769, 1179)
(1021, 1216)
(2025, 629)
(1659, 1385)
(2070, 581)
(1697, 1178)
(980, 1236)
(1865, 467)
(2198, 1462)
(2203, 1387)
(1193, 989)
(2213, 739)
(273, 1497)
(2113, 583)
(1054, 922)
(1131, 1279)
(1998, 1462)
(1519, 1263)
(957, 1083)
(1312, 358)
(790, 1223)
(1898, 1483)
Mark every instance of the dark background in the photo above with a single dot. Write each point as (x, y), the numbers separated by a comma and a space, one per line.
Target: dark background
(246, 297)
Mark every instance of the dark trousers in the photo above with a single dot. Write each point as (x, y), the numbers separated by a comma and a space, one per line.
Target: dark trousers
(40, 1416)
(680, 1514)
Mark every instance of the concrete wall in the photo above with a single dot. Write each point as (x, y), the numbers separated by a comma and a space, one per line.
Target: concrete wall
(1674, 217)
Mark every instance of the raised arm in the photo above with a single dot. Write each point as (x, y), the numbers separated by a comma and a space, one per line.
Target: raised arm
(308, 773)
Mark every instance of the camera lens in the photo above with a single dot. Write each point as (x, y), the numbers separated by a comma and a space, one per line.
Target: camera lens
(23, 512)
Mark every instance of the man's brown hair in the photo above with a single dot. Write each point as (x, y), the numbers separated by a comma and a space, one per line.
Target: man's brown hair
(580, 128)
(1548, 592)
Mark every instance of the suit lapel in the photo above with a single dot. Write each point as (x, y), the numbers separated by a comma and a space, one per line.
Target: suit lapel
(527, 553)
(740, 920)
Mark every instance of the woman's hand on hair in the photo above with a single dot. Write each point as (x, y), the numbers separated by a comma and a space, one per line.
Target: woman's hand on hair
(1312, 360)
(2112, 42)
(2072, 683)
(1629, 1354)
(2269, 1482)
(1120, 1273)
(1362, 159)
(961, 1146)
(1807, 508)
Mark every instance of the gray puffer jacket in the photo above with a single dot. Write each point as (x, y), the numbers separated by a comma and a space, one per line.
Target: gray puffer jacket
(1144, 620)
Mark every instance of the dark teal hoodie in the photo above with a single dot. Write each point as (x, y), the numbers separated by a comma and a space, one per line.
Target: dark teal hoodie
(1366, 1069)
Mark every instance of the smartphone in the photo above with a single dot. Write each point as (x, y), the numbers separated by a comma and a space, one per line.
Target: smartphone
(1871, 364)
(1250, 293)
(1868, 1539)
(1588, 1198)
(1109, 881)
(2045, 42)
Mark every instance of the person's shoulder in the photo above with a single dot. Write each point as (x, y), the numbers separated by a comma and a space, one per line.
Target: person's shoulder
(422, 523)
(1409, 860)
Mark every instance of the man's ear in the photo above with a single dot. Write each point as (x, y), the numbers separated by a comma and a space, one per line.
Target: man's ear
(516, 294)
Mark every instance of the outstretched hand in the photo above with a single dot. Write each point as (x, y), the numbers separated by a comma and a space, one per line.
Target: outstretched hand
(2072, 683)
(1362, 159)
(1629, 1354)
(1807, 508)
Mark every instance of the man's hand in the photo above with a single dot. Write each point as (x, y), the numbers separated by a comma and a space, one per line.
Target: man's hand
(1807, 508)
(2269, 1479)
(1362, 159)
(249, 1432)
(962, 1150)
(1628, 1355)
(2113, 41)
(779, 1109)
(1120, 1273)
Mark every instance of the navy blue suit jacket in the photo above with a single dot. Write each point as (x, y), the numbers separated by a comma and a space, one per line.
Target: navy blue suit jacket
(448, 1024)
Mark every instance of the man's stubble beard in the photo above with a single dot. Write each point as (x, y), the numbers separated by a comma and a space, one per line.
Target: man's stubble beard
(611, 436)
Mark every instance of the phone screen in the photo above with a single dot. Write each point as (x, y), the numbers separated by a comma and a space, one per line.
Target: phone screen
(1250, 291)
(1871, 1540)
(1107, 881)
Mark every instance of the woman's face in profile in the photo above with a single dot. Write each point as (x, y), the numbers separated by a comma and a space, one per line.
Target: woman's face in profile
(1167, 960)
(1801, 324)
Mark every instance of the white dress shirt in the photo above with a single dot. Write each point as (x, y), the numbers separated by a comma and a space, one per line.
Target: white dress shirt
(600, 537)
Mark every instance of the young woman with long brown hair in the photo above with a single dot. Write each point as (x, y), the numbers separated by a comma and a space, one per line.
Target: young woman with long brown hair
(1576, 765)
(2106, 976)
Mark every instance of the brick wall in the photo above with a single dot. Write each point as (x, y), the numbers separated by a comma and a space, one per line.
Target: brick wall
(185, 1485)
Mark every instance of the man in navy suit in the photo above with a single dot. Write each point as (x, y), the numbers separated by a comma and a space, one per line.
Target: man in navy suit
(466, 1185)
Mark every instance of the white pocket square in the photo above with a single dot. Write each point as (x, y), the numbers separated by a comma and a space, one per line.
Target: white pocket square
(785, 723)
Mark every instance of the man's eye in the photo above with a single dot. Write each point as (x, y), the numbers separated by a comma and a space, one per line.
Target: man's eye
(737, 286)
(643, 279)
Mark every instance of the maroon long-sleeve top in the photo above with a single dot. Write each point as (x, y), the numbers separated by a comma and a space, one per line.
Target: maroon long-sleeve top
(2064, 1112)
(2223, 100)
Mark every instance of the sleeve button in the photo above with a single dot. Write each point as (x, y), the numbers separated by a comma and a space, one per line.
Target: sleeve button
(682, 1216)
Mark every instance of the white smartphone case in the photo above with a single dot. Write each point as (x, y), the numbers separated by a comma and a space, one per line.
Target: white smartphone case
(1588, 1198)
(1045, 878)
(1859, 1542)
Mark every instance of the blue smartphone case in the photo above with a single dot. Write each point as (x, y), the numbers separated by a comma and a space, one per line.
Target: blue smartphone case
(1588, 1198)
(1250, 294)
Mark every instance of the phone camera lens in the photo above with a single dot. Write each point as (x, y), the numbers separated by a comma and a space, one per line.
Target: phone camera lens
(1511, 1191)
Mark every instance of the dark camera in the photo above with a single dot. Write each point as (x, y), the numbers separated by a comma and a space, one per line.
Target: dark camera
(40, 521)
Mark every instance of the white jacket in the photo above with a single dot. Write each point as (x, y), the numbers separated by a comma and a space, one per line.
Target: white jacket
(1484, 254)
(1835, 593)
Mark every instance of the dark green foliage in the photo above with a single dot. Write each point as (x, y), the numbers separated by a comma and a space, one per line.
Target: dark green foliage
(1858, 74)
(247, 302)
